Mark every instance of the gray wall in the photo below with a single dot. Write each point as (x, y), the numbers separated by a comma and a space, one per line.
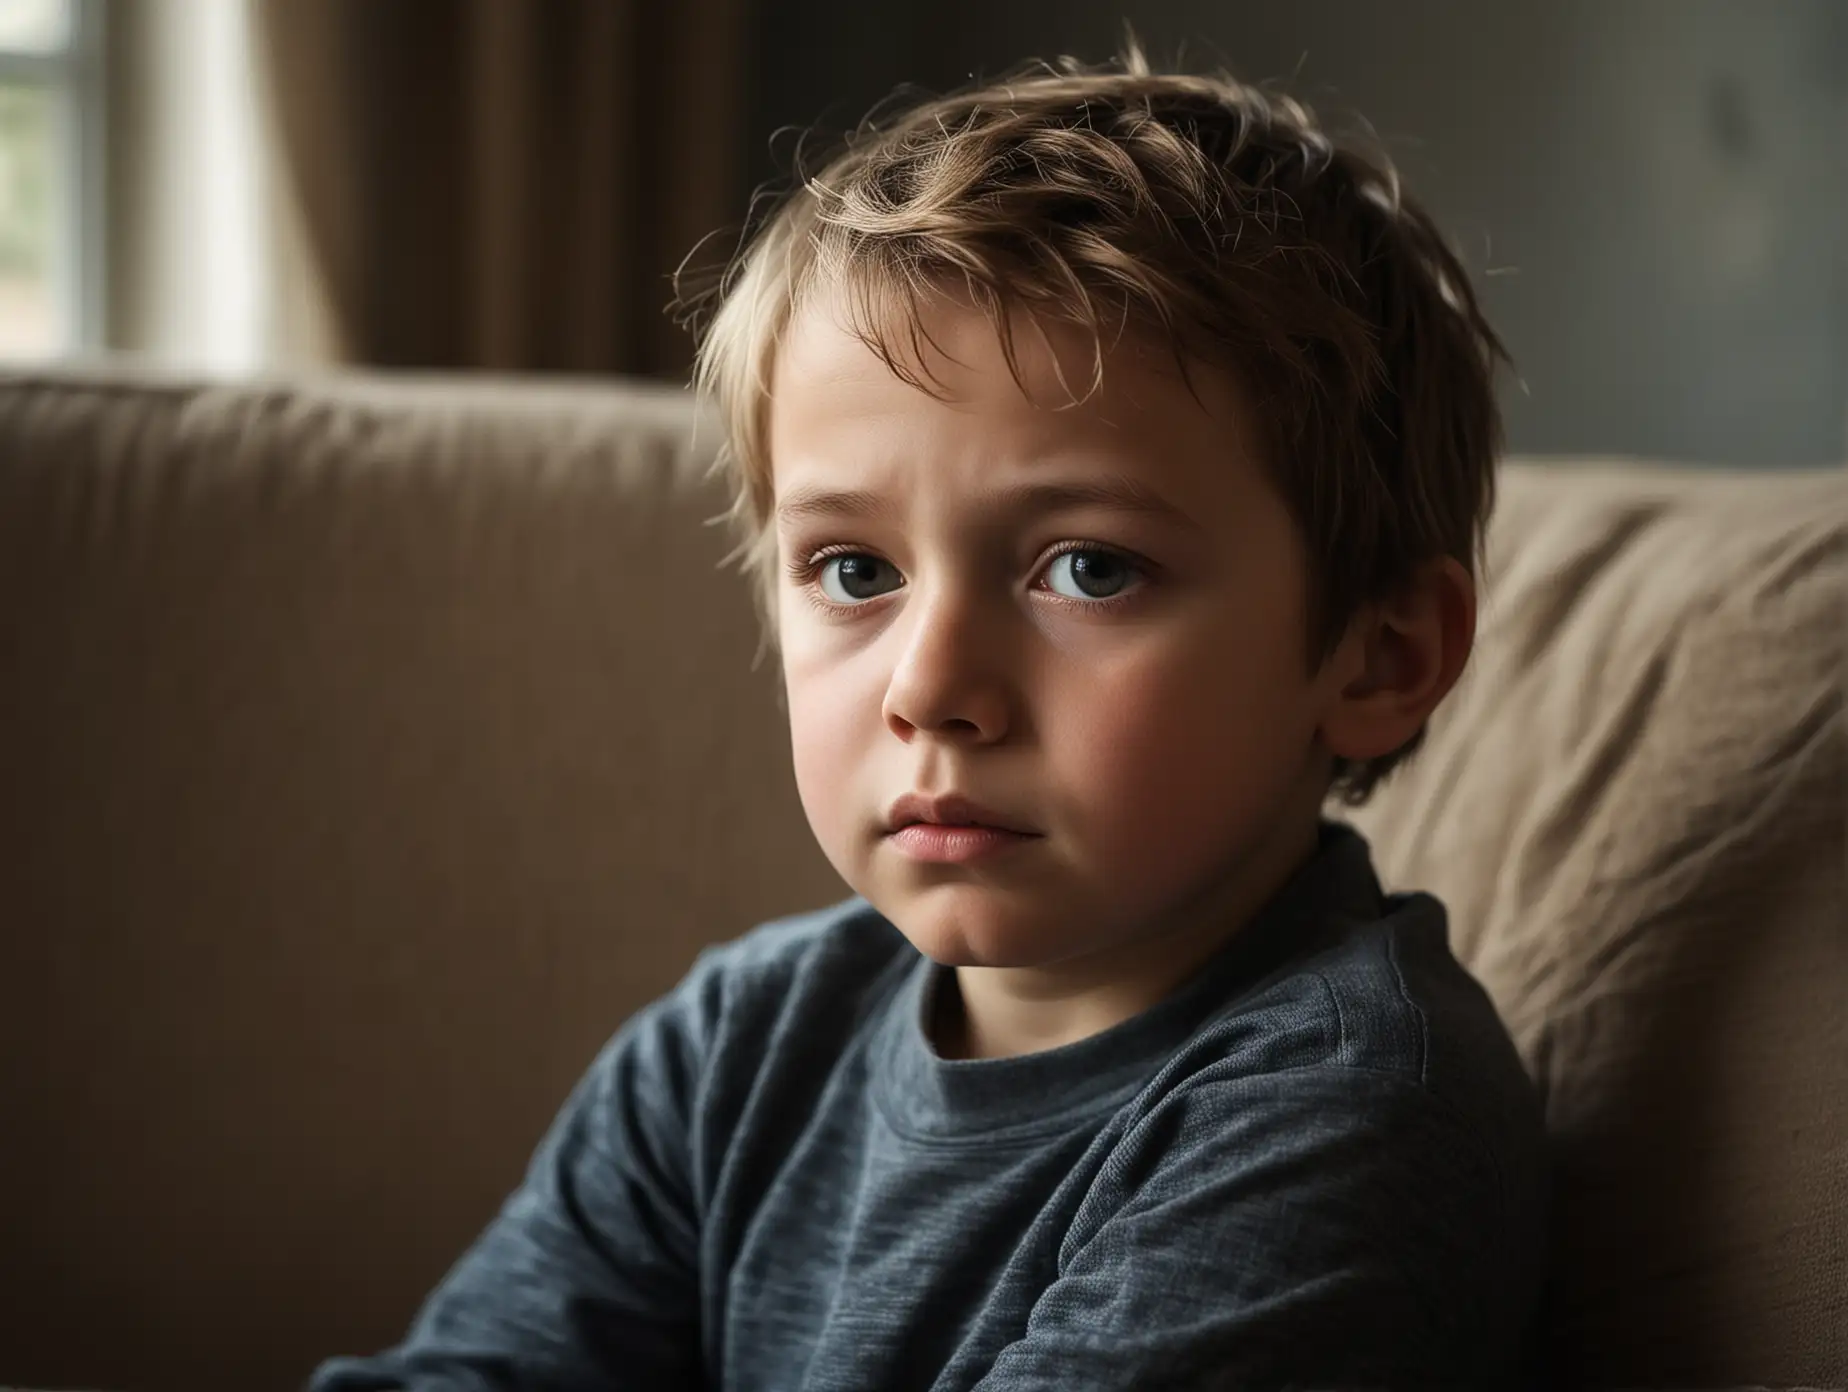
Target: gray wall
(1657, 189)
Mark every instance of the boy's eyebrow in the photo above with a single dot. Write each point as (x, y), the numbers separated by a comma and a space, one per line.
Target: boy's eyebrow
(1116, 491)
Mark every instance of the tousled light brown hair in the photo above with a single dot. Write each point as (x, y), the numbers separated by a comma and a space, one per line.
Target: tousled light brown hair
(1213, 214)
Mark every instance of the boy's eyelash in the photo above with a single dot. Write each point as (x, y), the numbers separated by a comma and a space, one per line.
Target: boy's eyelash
(1065, 548)
(803, 568)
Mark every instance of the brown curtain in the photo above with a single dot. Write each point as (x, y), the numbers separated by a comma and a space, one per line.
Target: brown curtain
(507, 184)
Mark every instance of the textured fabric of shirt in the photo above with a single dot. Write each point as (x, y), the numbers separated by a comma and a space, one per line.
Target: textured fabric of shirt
(1317, 1164)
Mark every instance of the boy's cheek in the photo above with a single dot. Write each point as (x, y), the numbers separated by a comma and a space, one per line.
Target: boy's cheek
(1162, 761)
(825, 739)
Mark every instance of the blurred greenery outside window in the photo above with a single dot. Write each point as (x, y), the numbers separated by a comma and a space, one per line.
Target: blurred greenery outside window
(50, 177)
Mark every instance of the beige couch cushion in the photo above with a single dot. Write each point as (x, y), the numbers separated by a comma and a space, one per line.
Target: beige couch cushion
(1634, 807)
(371, 749)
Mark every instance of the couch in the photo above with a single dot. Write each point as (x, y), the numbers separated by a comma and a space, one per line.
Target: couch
(370, 746)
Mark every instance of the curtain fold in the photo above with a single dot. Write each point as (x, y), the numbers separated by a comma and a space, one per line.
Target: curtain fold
(507, 184)
(205, 255)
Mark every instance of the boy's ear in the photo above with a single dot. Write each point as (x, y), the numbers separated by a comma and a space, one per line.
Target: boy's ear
(1398, 660)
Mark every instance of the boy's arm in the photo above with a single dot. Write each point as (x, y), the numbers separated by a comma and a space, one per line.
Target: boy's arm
(588, 1276)
(1322, 1227)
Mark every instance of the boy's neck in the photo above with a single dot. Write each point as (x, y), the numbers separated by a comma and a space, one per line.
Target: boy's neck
(1001, 1012)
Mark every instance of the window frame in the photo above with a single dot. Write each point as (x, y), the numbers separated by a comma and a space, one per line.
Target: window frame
(75, 75)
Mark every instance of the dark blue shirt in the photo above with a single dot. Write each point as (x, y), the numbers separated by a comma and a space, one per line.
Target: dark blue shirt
(1318, 1164)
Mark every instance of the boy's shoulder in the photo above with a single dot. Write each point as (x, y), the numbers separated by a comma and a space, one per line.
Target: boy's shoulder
(1384, 997)
(1378, 1034)
(785, 965)
(846, 936)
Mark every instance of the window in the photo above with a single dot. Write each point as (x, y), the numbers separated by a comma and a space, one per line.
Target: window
(50, 177)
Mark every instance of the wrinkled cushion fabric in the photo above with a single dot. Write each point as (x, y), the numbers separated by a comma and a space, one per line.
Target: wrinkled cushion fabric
(1634, 807)
(370, 747)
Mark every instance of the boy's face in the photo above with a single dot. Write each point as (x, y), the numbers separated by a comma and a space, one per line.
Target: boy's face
(1087, 624)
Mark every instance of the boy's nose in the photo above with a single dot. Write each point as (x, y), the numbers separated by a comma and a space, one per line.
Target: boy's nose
(948, 680)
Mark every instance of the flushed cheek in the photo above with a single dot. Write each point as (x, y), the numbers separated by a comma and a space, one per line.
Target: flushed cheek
(1172, 768)
(830, 734)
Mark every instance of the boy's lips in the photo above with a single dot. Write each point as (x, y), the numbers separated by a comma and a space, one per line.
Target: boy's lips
(950, 810)
(950, 829)
(935, 843)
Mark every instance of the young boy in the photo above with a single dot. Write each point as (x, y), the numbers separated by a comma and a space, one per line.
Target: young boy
(1113, 452)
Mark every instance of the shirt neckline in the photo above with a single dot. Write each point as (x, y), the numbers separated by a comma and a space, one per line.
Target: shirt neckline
(927, 1097)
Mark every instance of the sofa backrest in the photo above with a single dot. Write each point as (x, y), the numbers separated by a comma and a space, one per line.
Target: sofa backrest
(371, 747)
(369, 750)
(1634, 808)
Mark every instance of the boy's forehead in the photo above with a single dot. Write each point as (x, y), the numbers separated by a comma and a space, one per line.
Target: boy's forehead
(844, 423)
(1063, 379)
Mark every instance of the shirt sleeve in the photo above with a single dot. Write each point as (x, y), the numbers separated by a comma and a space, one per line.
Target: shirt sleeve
(588, 1276)
(1315, 1228)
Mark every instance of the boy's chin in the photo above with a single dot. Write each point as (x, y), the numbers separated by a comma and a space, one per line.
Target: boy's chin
(963, 931)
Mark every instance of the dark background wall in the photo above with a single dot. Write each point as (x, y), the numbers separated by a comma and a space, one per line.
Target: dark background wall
(1657, 190)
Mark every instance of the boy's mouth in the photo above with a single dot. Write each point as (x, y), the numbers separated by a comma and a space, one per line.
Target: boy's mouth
(952, 830)
(950, 810)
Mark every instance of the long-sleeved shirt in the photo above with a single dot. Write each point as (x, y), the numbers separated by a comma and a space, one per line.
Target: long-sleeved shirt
(1317, 1164)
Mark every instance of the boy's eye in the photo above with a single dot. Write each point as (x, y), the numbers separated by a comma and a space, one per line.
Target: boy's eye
(856, 578)
(1089, 574)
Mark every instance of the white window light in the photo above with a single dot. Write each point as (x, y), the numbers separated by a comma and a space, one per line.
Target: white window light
(51, 177)
(198, 263)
